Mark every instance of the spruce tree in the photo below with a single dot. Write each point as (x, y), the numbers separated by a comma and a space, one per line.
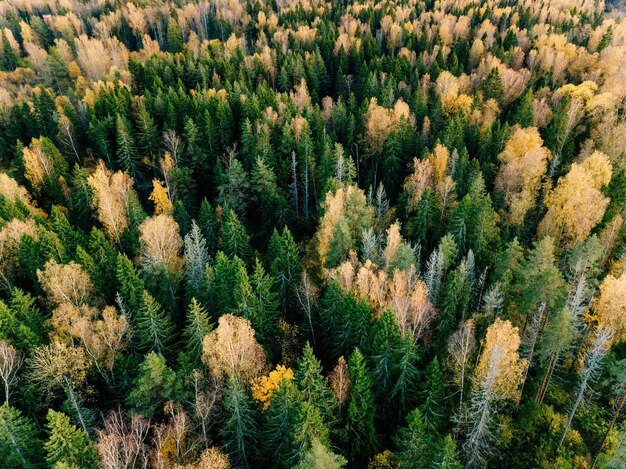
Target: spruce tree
(127, 156)
(239, 431)
(433, 409)
(130, 287)
(235, 241)
(197, 325)
(67, 445)
(285, 267)
(19, 443)
(314, 386)
(359, 432)
(153, 387)
(413, 442)
(154, 326)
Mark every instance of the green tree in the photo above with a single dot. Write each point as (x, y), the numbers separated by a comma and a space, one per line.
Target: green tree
(263, 314)
(320, 457)
(492, 86)
(19, 444)
(126, 152)
(197, 325)
(360, 433)
(130, 287)
(154, 326)
(433, 410)
(174, 36)
(67, 445)
(314, 386)
(153, 387)
(446, 457)
(239, 431)
(285, 267)
(413, 442)
(235, 241)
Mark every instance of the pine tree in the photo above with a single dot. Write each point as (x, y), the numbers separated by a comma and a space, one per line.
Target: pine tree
(147, 136)
(404, 392)
(239, 429)
(433, 409)
(264, 312)
(67, 445)
(413, 442)
(359, 433)
(154, 326)
(19, 444)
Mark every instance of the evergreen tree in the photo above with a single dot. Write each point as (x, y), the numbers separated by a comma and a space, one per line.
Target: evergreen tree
(129, 284)
(153, 387)
(127, 157)
(359, 433)
(154, 326)
(433, 410)
(285, 267)
(446, 457)
(314, 386)
(239, 429)
(264, 314)
(19, 444)
(234, 238)
(413, 442)
(492, 86)
(197, 325)
(67, 446)
(174, 36)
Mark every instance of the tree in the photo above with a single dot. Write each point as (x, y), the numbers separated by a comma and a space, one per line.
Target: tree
(126, 152)
(196, 260)
(592, 363)
(234, 240)
(413, 442)
(154, 326)
(263, 388)
(340, 382)
(67, 283)
(285, 267)
(130, 287)
(161, 243)
(10, 361)
(497, 377)
(161, 199)
(231, 350)
(122, 440)
(320, 457)
(610, 305)
(197, 325)
(111, 199)
(433, 410)
(19, 444)
(239, 429)
(523, 165)
(359, 432)
(576, 205)
(153, 387)
(460, 348)
(446, 457)
(314, 386)
(67, 445)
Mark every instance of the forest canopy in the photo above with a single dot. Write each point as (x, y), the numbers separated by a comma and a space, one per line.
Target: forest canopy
(308, 234)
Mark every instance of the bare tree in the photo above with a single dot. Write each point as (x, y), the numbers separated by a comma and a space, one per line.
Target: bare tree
(592, 363)
(10, 361)
(307, 294)
(121, 442)
(460, 348)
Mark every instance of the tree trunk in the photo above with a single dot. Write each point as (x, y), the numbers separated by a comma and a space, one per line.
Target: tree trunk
(608, 430)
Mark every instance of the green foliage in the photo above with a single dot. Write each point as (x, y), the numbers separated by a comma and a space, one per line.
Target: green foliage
(154, 385)
(239, 431)
(19, 443)
(67, 445)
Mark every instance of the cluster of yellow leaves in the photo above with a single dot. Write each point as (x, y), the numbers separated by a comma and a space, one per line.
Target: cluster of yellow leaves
(524, 163)
(38, 165)
(264, 387)
(111, 194)
(430, 172)
(610, 305)
(10, 237)
(453, 99)
(161, 199)
(380, 121)
(500, 366)
(577, 204)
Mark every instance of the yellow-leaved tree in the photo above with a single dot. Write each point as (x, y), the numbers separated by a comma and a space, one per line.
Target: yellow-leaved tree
(161, 198)
(576, 205)
(161, 243)
(610, 305)
(264, 387)
(524, 163)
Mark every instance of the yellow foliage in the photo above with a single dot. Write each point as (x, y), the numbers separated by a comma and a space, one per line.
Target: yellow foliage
(577, 205)
(384, 460)
(160, 198)
(380, 121)
(524, 163)
(610, 305)
(264, 387)
(500, 367)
